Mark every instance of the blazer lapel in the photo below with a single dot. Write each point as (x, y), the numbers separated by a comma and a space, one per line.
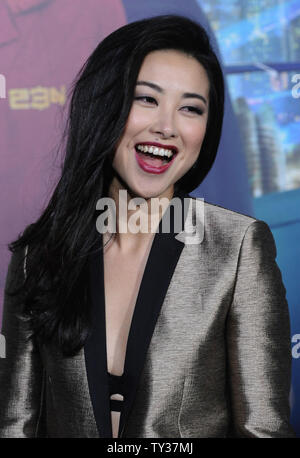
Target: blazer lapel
(163, 257)
(95, 348)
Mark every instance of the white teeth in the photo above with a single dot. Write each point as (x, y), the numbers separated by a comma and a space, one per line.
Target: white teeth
(154, 150)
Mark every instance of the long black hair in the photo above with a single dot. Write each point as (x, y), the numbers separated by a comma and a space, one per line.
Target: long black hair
(55, 294)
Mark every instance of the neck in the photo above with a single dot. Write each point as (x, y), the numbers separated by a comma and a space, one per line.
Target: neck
(136, 222)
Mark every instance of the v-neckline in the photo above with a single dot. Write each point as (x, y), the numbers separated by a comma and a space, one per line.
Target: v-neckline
(124, 378)
(132, 321)
(159, 268)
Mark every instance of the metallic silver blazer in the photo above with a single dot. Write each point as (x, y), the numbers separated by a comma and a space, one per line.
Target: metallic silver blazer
(217, 362)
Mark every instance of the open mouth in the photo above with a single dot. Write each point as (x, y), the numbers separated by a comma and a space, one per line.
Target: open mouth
(155, 156)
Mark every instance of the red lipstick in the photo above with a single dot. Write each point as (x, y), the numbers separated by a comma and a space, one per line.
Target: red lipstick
(151, 168)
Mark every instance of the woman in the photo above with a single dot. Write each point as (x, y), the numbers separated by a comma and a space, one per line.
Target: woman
(147, 334)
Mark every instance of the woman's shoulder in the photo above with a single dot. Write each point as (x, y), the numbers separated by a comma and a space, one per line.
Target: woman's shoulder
(212, 209)
(218, 218)
(215, 210)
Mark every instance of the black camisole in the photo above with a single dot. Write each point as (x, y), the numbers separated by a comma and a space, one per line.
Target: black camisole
(116, 385)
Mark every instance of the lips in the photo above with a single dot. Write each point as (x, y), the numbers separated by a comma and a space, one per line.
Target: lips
(154, 164)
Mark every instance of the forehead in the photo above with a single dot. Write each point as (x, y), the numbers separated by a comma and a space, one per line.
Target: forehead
(174, 68)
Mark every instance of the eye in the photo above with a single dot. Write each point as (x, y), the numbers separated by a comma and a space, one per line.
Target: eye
(198, 111)
(145, 98)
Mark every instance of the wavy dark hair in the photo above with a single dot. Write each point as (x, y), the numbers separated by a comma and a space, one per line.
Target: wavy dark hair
(55, 295)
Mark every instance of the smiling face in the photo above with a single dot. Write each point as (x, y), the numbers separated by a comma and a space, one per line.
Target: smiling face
(169, 112)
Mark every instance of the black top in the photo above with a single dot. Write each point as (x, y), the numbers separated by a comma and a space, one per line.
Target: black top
(116, 385)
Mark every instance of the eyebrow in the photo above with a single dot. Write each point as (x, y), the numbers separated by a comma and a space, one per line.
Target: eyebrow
(159, 89)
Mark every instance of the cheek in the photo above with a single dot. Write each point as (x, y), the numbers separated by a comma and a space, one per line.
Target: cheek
(134, 126)
(194, 136)
(131, 129)
(136, 122)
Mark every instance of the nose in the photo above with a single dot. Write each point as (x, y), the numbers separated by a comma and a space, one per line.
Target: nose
(164, 125)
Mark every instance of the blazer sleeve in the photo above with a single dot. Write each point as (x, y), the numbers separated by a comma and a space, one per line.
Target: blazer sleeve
(21, 371)
(258, 341)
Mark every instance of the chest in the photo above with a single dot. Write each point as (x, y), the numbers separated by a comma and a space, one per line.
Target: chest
(122, 280)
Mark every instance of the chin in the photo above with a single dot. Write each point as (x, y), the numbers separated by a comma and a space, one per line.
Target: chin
(145, 194)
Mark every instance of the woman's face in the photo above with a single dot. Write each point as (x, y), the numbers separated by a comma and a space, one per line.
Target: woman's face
(169, 112)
